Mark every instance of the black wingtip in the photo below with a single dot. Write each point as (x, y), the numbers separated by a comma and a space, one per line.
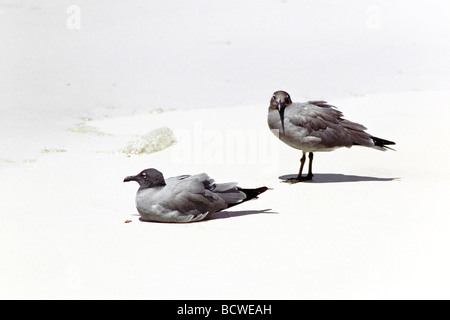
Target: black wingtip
(253, 193)
(249, 194)
(382, 142)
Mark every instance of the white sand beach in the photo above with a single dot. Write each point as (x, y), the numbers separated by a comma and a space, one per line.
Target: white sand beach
(83, 95)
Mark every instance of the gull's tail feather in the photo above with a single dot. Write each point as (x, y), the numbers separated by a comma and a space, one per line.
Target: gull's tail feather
(249, 194)
(382, 144)
(253, 193)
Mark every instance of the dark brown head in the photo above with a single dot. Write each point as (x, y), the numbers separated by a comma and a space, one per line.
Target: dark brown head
(148, 178)
(280, 100)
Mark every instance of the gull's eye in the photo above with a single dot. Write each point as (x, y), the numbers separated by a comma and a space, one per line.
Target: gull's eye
(144, 175)
(274, 98)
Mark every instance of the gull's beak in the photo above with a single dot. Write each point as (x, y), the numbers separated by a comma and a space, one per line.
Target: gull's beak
(281, 107)
(130, 178)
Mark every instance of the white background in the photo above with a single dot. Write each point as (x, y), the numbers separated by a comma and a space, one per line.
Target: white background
(373, 225)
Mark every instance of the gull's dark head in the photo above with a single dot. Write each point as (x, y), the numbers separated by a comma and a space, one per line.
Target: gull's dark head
(280, 100)
(148, 178)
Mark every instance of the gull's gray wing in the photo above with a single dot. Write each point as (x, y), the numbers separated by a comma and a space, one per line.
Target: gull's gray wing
(325, 122)
(198, 195)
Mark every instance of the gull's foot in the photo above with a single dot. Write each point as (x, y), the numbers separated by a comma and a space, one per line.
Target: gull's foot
(291, 180)
(298, 179)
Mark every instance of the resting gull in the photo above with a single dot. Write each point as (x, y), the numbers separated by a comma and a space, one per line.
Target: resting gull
(186, 198)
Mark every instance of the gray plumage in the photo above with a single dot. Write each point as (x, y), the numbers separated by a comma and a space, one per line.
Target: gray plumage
(185, 198)
(316, 126)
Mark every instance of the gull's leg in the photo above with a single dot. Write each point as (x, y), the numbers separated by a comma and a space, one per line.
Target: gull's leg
(299, 177)
(302, 163)
(310, 174)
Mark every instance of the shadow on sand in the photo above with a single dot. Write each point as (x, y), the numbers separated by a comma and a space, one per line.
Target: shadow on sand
(233, 214)
(335, 177)
(219, 215)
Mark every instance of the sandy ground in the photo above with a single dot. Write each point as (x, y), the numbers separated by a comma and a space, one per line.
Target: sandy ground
(371, 225)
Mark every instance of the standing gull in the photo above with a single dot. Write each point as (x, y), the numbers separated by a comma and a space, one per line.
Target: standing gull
(185, 198)
(316, 126)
